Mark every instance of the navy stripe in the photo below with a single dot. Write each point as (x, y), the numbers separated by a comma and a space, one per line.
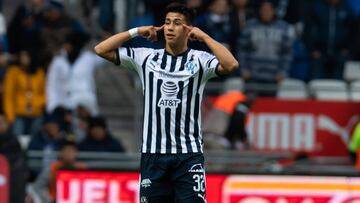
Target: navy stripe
(173, 63)
(208, 64)
(187, 114)
(178, 119)
(197, 110)
(151, 92)
(144, 71)
(117, 57)
(158, 118)
(167, 129)
(217, 70)
(163, 61)
(128, 51)
(183, 61)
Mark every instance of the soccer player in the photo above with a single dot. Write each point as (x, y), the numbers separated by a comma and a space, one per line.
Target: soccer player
(173, 80)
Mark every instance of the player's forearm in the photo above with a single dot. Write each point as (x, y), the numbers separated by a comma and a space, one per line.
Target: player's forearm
(105, 48)
(226, 59)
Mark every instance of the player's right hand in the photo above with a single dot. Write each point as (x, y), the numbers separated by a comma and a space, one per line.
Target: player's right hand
(149, 32)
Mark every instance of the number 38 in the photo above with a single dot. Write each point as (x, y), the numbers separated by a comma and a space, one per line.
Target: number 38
(200, 183)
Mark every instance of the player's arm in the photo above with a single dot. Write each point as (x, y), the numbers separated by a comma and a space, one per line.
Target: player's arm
(107, 48)
(227, 61)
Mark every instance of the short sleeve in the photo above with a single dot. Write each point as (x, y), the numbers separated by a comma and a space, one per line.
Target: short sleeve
(132, 58)
(210, 64)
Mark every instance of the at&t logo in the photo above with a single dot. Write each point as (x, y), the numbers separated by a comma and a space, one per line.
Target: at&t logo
(169, 92)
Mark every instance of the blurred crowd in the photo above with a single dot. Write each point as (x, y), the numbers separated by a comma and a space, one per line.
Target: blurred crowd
(47, 65)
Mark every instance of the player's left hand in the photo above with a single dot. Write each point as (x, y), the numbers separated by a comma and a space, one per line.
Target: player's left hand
(195, 33)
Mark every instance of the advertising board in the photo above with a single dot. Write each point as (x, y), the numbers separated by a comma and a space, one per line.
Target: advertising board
(123, 187)
(4, 180)
(317, 127)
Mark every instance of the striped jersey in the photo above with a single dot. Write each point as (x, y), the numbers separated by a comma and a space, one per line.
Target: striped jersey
(173, 88)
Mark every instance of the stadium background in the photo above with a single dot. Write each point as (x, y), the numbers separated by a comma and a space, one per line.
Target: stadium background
(295, 146)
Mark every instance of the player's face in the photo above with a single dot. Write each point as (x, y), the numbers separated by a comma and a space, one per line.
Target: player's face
(175, 32)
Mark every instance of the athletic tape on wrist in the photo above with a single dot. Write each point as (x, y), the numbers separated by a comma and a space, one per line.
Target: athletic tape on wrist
(134, 32)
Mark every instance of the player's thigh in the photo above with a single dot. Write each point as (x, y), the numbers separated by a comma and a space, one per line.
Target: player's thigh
(158, 192)
(190, 185)
(154, 183)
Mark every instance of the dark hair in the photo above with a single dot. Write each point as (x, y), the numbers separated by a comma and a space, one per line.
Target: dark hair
(97, 121)
(77, 39)
(189, 13)
(272, 2)
(67, 142)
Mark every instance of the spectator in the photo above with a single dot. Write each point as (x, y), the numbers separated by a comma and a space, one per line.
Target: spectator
(70, 78)
(99, 139)
(265, 50)
(354, 144)
(24, 95)
(57, 25)
(48, 139)
(198, 5)
(80, 123)
(24, 28)
(224, 127)
(216, 22)
(65, 120)
(11, 149)
(239, 16)
(105, 15)
(45, 184)
(327, 36)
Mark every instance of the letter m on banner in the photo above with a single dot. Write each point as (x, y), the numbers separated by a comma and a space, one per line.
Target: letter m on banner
(4, 180)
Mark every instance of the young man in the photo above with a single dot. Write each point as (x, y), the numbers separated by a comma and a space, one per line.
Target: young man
(173, 79)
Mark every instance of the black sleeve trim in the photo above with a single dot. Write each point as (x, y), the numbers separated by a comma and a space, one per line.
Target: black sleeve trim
(208, 64)
(218, 74)
(117, 57)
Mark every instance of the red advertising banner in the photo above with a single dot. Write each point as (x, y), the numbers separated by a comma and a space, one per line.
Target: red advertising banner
(4, 180)
(112, 187)
(290, 189)
(317, 127)
(119, 187)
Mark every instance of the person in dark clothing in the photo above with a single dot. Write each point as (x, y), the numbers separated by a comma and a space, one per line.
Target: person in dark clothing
(216, 22)
(11, 149)
(327, 34)
(50, 134)
(47, 140)
(99, 139)
(45, 184)
(265, 52)
(24, 30)
(239, 16)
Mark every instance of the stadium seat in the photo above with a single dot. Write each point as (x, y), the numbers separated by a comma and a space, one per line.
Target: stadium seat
(355, 90)
(352, 70)
(292, 89)
(233, 84)
(329, 89)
